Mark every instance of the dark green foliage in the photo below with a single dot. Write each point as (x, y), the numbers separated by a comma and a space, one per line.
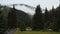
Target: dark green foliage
(22, 26)
(53, 19)
(23, 20)
(12, 19)
(37, 19)
(46, 20)
(57, 15)
(3, 24)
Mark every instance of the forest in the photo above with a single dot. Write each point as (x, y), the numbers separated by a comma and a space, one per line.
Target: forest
(11, 18)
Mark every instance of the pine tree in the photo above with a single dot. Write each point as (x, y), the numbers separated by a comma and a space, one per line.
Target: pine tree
(1, 31)
(57, 24)
(37, 19)
(12, 18)
(2, 23)
(46, 24)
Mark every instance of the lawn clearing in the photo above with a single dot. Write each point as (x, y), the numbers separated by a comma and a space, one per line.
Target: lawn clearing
(34, 32)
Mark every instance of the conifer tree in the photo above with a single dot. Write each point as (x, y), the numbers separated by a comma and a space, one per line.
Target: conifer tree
(37, 19)
(2, 23)
(46, 24)
(57, 15)
(12, 18)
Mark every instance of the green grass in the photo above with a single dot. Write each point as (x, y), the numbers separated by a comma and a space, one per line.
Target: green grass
(34, 32)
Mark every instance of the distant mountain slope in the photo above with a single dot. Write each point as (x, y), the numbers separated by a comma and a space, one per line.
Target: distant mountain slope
(21, 15)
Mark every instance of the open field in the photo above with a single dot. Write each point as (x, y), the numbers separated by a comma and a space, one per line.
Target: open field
(35, 32)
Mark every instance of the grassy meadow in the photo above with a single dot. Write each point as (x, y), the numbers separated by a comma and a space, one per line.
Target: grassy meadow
(34, 32)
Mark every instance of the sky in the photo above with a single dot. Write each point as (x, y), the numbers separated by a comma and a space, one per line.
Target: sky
(34, 3)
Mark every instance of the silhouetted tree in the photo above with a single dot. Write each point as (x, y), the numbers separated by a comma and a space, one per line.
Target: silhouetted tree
(37, 19)
(12, 18)
(2, 24)
(57, 15)
(46, 24)
(1, 31)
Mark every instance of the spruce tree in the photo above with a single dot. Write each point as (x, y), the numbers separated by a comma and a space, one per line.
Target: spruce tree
(46, 24)
(53, 18)
(1, 26)
(37, 19)
(57, 24)
(2, 23)
(12, 18)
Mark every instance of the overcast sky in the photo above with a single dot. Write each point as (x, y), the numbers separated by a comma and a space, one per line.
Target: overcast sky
(34, 3)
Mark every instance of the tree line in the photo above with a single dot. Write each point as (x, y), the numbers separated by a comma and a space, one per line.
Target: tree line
(48, 20)
(40, 21)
